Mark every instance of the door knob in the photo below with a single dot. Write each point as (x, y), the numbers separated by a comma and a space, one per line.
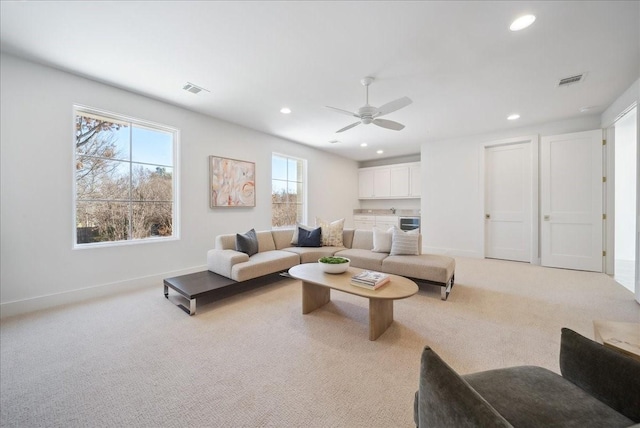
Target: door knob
(487, 216)
(547, 217)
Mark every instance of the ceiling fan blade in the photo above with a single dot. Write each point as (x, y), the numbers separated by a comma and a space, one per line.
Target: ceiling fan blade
(394, 105)
(389, 124)
(339, 110)
(349, 127)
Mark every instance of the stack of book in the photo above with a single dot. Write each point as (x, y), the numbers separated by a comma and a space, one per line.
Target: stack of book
(370, 279)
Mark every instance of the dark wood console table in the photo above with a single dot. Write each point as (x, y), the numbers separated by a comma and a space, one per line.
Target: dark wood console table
(195, 285)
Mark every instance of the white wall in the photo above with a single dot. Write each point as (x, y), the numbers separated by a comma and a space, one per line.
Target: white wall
(452, 186)
(39, 267)
(623, 102)
(625, 186)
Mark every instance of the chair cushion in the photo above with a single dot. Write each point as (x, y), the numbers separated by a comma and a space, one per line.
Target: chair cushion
(530, 396)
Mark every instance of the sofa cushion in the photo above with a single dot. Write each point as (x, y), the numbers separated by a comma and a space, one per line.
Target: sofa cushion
(331, 232)
(430, 267)
(264, 263)
(247, 242)
(363, 259)
(382, 239)
(347, 237)
(530, 396)
(309, 238)
(265, 241)
(282, 238)
(312, 254)
(362, 239)
(222, 261)
(405, 243)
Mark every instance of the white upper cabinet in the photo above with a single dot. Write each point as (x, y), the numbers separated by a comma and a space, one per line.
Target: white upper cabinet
(414, 180)
(399, 181)
(365, 184)
(389, 182)
(381, 183)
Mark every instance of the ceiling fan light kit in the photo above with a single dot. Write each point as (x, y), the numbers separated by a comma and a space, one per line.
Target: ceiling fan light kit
(369, 114)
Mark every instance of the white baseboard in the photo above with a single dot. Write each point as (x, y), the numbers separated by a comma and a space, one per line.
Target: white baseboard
(452, 252)
(18, 307)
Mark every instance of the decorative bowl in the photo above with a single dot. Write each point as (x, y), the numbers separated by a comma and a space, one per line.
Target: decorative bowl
(334, 264)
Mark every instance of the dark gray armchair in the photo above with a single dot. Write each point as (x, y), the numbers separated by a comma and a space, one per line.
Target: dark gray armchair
(599, 387)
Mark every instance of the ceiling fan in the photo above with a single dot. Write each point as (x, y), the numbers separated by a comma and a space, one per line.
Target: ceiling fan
(370, 114)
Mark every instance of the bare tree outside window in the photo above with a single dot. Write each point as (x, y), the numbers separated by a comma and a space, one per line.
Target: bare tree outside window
(124, 179)
(287, 191)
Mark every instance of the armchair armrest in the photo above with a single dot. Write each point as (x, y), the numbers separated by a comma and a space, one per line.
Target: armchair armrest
(608, 375)
(221, 261)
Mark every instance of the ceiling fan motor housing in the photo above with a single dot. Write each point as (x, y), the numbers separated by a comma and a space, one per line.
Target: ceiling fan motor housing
(367, 114)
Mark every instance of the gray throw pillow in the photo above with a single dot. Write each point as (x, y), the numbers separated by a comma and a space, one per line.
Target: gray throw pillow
(247, 242)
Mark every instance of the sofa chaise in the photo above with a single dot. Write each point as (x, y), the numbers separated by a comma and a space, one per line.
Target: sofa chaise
(277, 254)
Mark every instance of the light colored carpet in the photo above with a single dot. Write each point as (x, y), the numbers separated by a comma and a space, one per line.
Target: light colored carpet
(253, 360)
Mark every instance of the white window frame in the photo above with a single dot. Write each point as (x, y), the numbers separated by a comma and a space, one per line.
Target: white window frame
(117, 117)
(303, 220)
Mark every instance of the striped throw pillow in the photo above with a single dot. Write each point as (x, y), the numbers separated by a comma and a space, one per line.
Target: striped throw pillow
(404, 243)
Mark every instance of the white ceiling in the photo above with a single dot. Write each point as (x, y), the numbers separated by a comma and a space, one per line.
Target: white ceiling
(458, 61)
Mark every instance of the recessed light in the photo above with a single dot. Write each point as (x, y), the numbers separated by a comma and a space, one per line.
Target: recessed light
(380, 152)
(363, 145)
(333, 141)
(514, 116)
(522, 22)
(285, 110)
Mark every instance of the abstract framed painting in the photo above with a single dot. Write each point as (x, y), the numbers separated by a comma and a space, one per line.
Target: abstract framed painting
(231, 182)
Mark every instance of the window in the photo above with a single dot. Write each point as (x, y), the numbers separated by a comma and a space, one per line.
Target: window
(125, 179)
(287, 191)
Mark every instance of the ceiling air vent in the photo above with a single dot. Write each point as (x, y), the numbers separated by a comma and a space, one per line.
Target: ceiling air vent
(571, 80)
(194, 89)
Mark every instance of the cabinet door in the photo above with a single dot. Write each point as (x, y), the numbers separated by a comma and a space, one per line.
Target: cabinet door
(382, 183)
(365, 222)
(399, 181)
(364, 225)
(365, 184)
(386, 221)
(414, 180)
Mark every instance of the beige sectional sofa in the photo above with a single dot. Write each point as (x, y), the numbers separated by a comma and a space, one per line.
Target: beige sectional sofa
(276, 254)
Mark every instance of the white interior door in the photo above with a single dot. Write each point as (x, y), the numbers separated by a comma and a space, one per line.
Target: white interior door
(508, 202)
(571, 201)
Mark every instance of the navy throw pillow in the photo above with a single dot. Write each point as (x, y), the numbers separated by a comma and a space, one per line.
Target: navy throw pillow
(310, 238)
(247, 242)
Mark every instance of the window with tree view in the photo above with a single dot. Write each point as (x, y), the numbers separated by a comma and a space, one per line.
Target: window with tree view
(124, 179)
(287, 191)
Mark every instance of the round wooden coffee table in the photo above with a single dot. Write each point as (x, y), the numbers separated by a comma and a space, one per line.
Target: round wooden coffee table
(317, 286)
